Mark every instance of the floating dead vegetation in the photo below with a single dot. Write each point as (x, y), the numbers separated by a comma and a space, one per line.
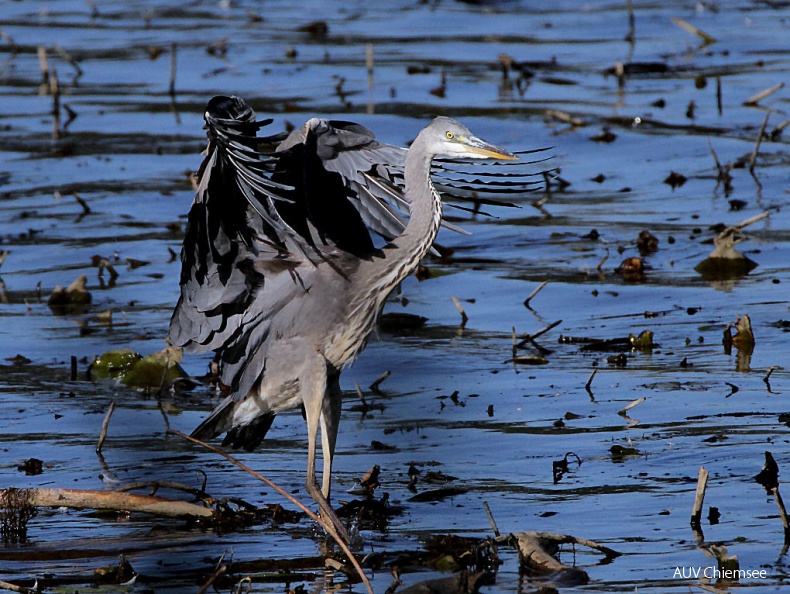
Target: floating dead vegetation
(646, 243)
(725, 262)
(743, 340)
(72, 300)
(632, 270)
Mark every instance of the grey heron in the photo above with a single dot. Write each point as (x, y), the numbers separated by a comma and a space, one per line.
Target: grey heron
(281, 276)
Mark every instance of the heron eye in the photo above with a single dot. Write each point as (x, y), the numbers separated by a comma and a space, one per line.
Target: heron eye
(449, 135)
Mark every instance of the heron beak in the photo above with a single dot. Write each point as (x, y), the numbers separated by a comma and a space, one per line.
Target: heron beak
(484, 150)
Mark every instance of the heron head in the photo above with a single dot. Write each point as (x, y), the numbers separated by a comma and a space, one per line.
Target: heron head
(453, 139)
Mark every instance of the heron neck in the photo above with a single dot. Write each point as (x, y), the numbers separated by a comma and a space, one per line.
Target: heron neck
(425, 215)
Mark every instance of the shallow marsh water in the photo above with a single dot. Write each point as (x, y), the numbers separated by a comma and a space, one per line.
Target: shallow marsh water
(128, 155)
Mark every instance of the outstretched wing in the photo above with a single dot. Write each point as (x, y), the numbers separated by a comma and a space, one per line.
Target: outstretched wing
(263, 221)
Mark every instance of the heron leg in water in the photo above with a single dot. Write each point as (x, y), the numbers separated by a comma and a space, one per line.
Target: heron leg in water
(321, 404)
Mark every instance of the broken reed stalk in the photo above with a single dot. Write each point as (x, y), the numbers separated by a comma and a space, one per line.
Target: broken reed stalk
(375, 385)
(782, 513)
(631, 405)
(751, 220)
(631, 36)
(718, 96)
(369, 64)
(699, 497)
(599, 268)
(105, 424)
(219, 571)
(111, 500)
(491, 519)
(460, 308)
(54, 88)
(44, 65)
(172, 88)
(371, 82)
(535, 292)
(326, 525)
(590, 379)
(539, 333)
(756, 98)
(753, 157)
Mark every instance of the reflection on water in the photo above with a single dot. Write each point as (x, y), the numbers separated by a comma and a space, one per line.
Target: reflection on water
(108, 182)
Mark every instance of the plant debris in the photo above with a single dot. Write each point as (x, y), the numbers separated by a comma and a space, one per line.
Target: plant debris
(73, 300)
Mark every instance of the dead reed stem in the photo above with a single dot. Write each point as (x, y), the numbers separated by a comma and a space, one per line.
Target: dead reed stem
(327, 526)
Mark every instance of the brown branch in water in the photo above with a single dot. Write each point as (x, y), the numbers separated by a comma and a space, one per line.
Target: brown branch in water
(327, 526)
(112, 500)
(105, 424)
(699, 497)
(14, 588)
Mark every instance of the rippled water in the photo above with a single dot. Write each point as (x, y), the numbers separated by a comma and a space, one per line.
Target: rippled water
(128, 154)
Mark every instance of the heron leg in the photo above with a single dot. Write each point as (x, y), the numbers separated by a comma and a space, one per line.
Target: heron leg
(313, 385)
(330, 420)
